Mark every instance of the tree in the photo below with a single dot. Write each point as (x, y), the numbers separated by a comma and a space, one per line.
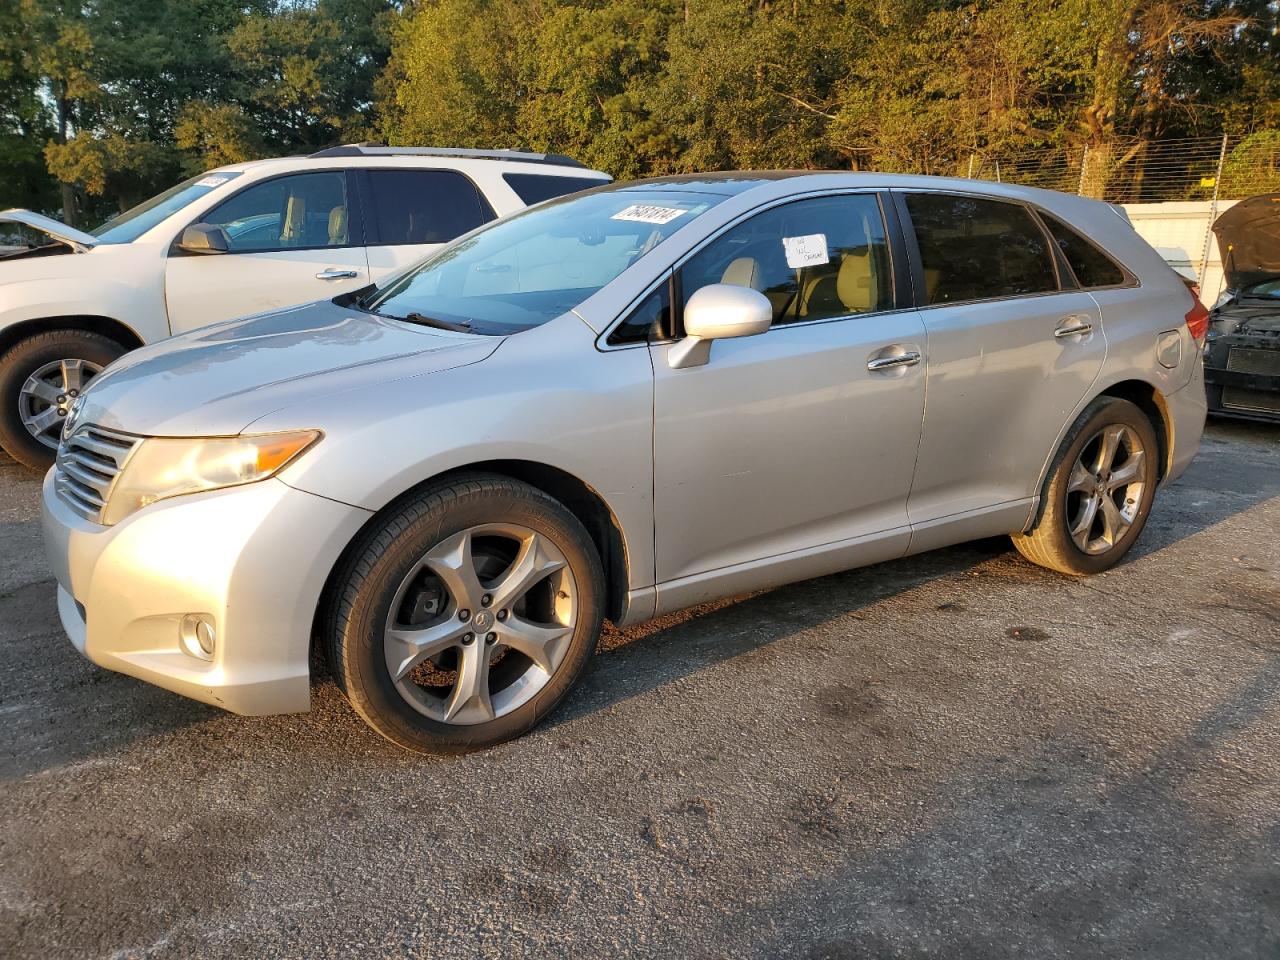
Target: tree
(145, 90)
(26, 122)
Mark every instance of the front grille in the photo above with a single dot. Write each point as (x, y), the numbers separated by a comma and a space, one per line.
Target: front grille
(1258, 401)
(87, 466)
(1246, 360)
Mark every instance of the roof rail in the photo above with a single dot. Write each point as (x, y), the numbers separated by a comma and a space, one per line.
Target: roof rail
(382, 150)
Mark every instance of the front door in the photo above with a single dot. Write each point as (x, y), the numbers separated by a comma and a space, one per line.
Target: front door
(790, 443)
(290, 240)
(1012, 352)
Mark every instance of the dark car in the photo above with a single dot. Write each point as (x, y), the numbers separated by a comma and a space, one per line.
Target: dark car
(1242, 353)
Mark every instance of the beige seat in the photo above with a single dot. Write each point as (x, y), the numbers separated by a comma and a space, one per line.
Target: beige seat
(743, 272)
(931, 278)
(295, 221)
(338, 226)
(850, 290)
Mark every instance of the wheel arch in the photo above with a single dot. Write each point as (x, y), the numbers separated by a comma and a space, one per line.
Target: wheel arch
(109, 327)
(1143, 395)
(578, 497)
(1147, 398)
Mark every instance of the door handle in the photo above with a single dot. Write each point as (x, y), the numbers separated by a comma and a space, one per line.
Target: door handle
(1072, 327)
(908, 359)
(335, 273)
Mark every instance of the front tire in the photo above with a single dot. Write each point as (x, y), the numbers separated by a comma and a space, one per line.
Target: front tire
(1099, 492)
(461, 619)
(40, 377)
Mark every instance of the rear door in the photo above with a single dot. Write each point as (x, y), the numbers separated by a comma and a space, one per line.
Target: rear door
(290, 239)
(412, 213)
(1012, 349)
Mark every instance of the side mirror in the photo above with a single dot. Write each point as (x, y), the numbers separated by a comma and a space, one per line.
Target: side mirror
(203, 238)
(716, 312)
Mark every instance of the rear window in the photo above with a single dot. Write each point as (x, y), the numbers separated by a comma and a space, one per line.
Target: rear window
(1092, 267)
(972, 248)
(535, 187)
(423, 206)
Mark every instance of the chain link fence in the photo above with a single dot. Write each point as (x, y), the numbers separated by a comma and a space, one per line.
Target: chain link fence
(1137, 171)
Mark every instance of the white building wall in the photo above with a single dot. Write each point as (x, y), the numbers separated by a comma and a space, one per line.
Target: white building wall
(1179, 231)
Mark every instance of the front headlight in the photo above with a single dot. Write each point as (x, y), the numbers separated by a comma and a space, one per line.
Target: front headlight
(165, 467)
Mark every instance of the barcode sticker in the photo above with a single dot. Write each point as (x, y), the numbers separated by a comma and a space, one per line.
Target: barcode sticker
(649, 213)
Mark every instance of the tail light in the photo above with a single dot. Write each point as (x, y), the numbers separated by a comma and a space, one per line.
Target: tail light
(1197, 320)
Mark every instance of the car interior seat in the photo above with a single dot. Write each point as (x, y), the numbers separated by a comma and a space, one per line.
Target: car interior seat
(295, 220)
(338, 226)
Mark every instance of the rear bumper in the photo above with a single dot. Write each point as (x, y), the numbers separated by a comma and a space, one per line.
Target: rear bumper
(252, 559)
(1186, 409)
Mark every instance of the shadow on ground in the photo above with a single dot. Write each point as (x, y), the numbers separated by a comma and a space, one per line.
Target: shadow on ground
(1049, 853)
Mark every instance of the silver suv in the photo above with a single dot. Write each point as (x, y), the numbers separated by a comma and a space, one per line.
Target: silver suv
(616, 404)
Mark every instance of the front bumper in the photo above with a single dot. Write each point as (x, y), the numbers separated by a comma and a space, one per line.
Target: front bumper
(251, 559)
(1242, 373)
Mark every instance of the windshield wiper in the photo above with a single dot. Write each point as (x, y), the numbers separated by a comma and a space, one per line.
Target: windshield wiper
(460, 326)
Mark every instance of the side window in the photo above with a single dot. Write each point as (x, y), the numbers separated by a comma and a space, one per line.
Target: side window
(651, 318)
(423, 206)
(976, 249)
(814, 259)
(1092, 267)
(295, 212)
(533, 188)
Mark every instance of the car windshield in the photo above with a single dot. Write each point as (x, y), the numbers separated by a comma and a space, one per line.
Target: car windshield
(530, 268)
(133, 223)
(1267, 289)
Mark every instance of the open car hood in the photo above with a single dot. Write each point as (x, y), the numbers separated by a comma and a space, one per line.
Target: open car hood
(1249, 241)
(77, 240)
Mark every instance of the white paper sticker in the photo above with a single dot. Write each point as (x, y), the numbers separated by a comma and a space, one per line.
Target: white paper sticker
(211, 181)
(648, 213)
(807, 251)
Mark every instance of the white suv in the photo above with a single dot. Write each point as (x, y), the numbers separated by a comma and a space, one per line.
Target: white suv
(238, 240)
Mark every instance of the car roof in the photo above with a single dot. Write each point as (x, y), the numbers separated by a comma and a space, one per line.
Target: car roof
(731, 183)
(449, 161)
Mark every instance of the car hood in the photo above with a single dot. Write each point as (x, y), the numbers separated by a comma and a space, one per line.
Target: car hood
(77, 240)
(217, 380)
(1249, 241)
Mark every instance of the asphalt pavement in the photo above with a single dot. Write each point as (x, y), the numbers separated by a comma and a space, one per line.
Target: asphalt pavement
(957, 755)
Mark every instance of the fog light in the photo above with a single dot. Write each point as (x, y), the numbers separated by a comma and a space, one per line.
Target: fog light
(197, 636)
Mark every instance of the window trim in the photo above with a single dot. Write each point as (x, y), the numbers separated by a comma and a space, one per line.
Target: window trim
(900, 195)
(373, 238)
(899, 279)
(1130, 280)
(668, 279)
(355, 217)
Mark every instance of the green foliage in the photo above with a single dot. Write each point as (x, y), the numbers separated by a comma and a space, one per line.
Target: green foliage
(25, 121)
(1253, 166)
(118, 98)
(132, 94)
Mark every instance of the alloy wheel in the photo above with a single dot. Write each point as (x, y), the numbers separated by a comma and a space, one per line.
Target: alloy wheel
(1104, 491)
(46, 397)
(481, 623)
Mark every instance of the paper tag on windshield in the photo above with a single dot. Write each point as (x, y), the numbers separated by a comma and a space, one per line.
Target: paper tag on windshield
(211, 181)
(807, 251)
(648, 213)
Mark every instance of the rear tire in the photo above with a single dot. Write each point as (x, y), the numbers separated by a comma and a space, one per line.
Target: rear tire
(30, 423)
(461, 619)
(1098, 493)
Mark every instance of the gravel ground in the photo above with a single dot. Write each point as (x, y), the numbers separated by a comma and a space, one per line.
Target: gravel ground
(955, 755)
